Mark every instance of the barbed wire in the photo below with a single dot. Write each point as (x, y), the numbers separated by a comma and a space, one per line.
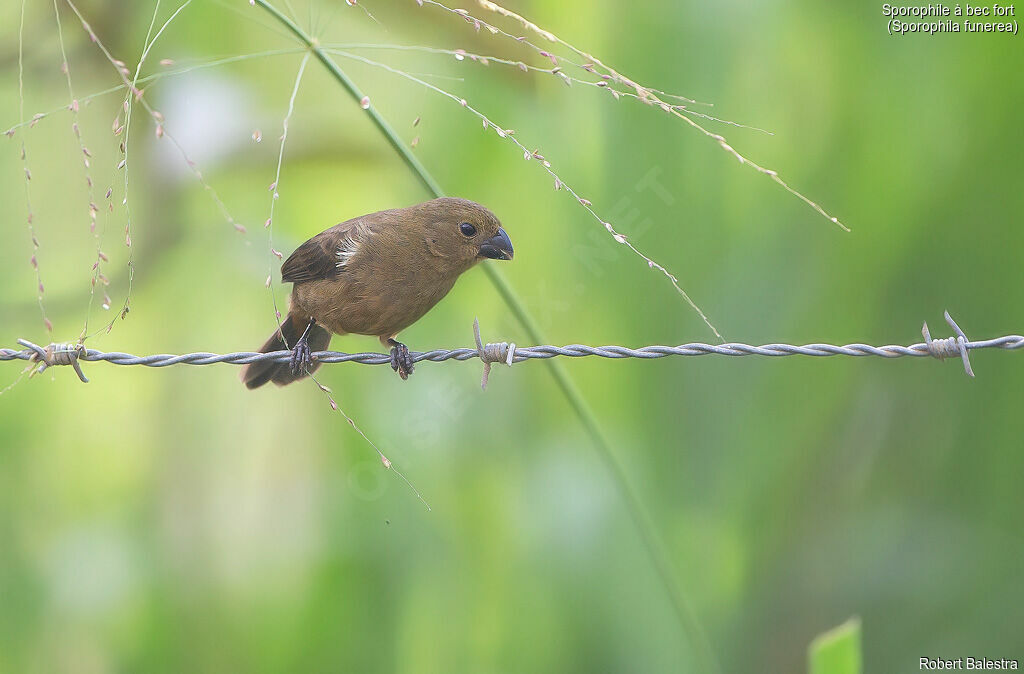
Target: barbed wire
(509, 353)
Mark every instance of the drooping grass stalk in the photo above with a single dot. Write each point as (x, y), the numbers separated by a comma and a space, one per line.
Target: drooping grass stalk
(652, 541)
(647, 94)
(28, 174)
(73, 105)
(129, 84)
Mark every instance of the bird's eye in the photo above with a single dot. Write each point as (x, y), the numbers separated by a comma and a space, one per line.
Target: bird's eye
(467, 229)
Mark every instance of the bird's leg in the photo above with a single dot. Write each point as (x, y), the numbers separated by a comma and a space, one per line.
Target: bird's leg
(401, 359)
(302, 357)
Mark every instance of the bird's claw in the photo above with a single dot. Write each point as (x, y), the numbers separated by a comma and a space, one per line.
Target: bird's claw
(401, 359)
(302, 357)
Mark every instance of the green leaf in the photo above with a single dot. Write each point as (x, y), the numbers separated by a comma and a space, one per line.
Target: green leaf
(836, 651)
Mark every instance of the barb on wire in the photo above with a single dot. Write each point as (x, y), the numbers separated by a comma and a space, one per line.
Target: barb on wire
(501, 352)
(58, 354)
(54, 354)
(951, 346)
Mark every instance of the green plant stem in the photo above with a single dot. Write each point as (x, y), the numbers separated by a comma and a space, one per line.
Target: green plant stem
(655, 547)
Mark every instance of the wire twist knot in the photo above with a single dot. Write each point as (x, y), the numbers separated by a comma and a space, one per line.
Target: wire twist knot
(950, 346)
(492, 352)
(58, 353)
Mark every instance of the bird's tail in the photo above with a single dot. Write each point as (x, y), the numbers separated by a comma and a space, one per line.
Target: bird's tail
(257, 374)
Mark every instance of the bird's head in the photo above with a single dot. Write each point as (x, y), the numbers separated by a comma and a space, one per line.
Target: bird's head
(462, 232)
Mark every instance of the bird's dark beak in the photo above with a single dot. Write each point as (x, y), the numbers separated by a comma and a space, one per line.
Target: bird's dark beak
(498, 247)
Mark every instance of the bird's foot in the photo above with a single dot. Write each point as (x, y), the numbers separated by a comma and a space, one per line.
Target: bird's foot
(302, 356)
(401, 359)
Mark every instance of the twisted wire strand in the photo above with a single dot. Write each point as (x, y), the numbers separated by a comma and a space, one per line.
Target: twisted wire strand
(500, 353)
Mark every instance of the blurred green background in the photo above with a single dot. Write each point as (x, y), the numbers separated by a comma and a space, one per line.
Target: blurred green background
(170, 520)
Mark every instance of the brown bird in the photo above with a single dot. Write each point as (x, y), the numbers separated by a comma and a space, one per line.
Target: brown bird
(376, 275)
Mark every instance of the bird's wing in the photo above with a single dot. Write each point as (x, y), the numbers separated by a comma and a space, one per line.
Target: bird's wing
(325, 255)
